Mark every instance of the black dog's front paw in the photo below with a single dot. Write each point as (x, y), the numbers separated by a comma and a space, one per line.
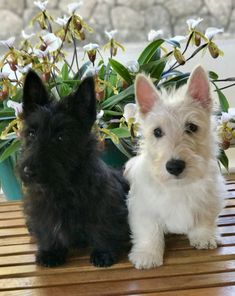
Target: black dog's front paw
(102, 258)
(50, 258)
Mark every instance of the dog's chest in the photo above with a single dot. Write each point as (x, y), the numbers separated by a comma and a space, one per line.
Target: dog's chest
(176, 210)
(175, 215)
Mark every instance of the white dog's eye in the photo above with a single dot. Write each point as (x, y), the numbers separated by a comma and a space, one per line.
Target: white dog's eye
(191, 128)
(158, 133)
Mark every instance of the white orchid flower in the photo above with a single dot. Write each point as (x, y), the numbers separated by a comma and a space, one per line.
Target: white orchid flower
(40, 53)
(100, 114)
(52, 42)
(72, 7)
(62, 21)
(178, 38)
(91, 46)
(27, 36)
(16, 106)
(41, 5)
(9, 42)
(153, 35)
(4, 75)
(212, 31)
(192, 23)
(130, 111)
(92, 71)
(231, 111)
(225, 117)
(111, 34)
(133, 66)
(25, 69)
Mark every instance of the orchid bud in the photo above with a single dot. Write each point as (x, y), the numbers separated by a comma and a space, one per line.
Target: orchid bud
(4, 93)
(179, 57)
(113, 51)
(99, 95)
(46, 76)
(92, 55)
(43, 47)
(78, 25)
(225, 145)
(82, 35)
(213, 49)
(197, 39)
(13, 66)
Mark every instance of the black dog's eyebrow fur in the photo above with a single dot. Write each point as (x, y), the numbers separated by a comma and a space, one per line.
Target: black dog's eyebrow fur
(72, 198)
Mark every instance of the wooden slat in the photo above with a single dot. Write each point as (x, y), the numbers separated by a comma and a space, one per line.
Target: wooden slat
(218, 291)
(8, 207)
(13, 231)
(186, 271)
(16, 240)
(132, 286)
(12, 223)
(11, 215)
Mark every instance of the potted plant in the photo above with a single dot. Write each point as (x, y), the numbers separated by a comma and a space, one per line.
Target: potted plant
(47, 53)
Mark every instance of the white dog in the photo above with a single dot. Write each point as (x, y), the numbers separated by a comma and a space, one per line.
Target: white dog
(176, 185)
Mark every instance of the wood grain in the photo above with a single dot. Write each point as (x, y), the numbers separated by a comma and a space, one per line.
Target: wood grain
(186, 271)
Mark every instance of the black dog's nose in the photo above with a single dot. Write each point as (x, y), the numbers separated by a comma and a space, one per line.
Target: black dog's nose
(175, 166)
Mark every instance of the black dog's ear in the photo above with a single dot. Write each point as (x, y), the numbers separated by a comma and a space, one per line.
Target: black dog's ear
(82, 103)
(34, 92)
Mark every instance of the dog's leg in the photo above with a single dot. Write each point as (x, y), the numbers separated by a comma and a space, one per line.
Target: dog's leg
(204, 236)
(51, 257)
(148, 243)
(51, 252)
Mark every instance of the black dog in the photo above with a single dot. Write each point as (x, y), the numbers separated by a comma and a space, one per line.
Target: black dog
(71, 197)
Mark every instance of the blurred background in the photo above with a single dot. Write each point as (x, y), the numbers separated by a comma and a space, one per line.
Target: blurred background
(132, 18)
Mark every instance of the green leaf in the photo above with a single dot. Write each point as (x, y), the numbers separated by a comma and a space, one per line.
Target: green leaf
(11, 149)
(154, 68)
(64, 89)
(224, 105)
(224, 159)
(120, 132)
(7, 113)
(4, 143)
(121, 70)
(176, 81)
(213, 75)
(112, 113)
(83, 69)
(65, 72)
(172, 42)
(122, 149)
(149, 51)
(112, 101)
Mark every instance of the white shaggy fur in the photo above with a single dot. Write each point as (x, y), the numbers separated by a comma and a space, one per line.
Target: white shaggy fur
(160, 202)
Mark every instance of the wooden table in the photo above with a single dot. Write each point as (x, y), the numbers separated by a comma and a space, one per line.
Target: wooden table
(186, 271)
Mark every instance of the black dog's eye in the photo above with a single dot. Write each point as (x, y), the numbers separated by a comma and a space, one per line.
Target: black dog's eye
(191, 128)
(32, 134)
(158, 133)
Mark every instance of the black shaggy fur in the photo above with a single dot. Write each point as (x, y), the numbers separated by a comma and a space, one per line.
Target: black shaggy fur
(71, 197)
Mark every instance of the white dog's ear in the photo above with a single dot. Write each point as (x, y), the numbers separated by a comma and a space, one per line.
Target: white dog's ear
(199, 87)
(145, 93)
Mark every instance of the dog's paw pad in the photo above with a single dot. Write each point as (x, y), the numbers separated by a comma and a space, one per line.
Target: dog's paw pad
(102, 258)
(204, 244)
(145, 260)
(50, 259)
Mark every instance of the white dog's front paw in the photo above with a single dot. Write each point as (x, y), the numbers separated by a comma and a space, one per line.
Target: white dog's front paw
(203, 243)
(145, 259)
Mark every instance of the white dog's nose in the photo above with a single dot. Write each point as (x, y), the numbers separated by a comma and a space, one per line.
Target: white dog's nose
(175, 166)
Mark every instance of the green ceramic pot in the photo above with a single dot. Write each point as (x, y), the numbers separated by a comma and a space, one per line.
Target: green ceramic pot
(113, 156)
(9, 183)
